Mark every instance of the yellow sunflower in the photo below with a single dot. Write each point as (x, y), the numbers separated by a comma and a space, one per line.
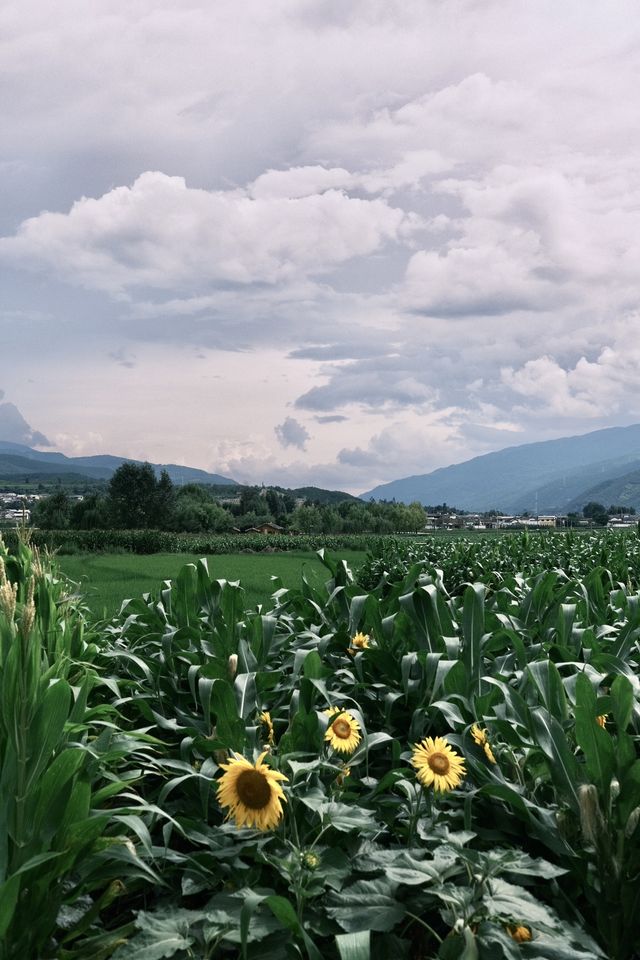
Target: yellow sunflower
(602, 720)
(480, 737)
(265, 718)
(360, 642)
(437, 765)
(342, 733)
(519, 933)
(251, 792)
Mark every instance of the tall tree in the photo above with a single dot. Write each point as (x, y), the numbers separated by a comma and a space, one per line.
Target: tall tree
(165, 502)
(596, 512)
(54, 512)
(132, 496)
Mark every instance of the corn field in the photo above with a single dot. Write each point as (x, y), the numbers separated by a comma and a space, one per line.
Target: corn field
(439, 760)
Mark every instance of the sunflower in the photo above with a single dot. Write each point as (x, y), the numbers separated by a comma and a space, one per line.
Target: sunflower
(265, 718)
(602, 720)
(342, 732)
(519, 933)
(360, 642)
(480, 737)
(437, 764)
(251, 792)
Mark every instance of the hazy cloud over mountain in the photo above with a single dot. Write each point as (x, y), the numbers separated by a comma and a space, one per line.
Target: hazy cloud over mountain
(15, 429)
(415, 223)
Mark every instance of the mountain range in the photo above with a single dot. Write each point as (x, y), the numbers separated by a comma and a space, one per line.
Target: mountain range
(21, 462)
(551, 476)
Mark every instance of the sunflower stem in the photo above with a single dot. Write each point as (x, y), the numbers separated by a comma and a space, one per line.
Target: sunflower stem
(415, 814)
(424, 924)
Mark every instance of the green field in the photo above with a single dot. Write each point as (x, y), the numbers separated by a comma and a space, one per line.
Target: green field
(438, 761)
(108, 579)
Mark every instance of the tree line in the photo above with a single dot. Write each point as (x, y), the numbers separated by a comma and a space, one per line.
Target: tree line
(137, 499)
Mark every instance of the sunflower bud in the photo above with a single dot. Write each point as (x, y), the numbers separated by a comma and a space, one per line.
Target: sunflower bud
(310, 860)
(591, 819)
(632, 823)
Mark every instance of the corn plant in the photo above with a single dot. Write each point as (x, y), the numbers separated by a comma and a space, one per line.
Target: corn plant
(54, 771)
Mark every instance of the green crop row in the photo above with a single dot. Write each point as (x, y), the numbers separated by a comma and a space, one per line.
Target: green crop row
(158, 541)
(463, 560)
(411, 771)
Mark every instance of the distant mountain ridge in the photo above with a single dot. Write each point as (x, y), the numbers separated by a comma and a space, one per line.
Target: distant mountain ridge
(551, 476)
(21, 461)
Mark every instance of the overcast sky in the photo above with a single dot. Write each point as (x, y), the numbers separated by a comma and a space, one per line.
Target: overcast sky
(318, 241)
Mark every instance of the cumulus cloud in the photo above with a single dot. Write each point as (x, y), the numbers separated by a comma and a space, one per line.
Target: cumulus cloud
(590, 389)
(292, 433)
(305, 181)
(160, 233)
(458, 237)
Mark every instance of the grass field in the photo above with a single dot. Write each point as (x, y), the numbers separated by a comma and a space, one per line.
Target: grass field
(108, 579)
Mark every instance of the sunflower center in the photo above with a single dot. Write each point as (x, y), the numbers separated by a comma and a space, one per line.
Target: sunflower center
(439, 763)
(253, 789)
(341, 728)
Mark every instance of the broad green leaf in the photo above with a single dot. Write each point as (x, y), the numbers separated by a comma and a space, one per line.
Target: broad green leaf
(622, 702)
(313, 668)
(408, 870)
(47, 728)
(508, 901)
(366, 905)
(549, 684)
(422, 608)
(472, 631)
(229, 726)
(162, 934)
(552, 740)
(342, 816)
(9, 891)
(55, 790)
(593, 739)
(245, 690)
(354, 946)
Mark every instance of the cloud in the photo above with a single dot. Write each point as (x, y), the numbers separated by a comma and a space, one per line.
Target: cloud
(292, 433)
(159, 233)
(386, 382)
(590, 389)
(120, 357)
(377, 344)
(15, 429)
(295, 182)
(456, 238)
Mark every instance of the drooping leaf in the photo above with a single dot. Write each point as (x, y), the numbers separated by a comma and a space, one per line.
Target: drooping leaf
(366, 905)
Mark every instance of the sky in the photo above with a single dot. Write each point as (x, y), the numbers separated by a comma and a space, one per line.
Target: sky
(316, 241)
